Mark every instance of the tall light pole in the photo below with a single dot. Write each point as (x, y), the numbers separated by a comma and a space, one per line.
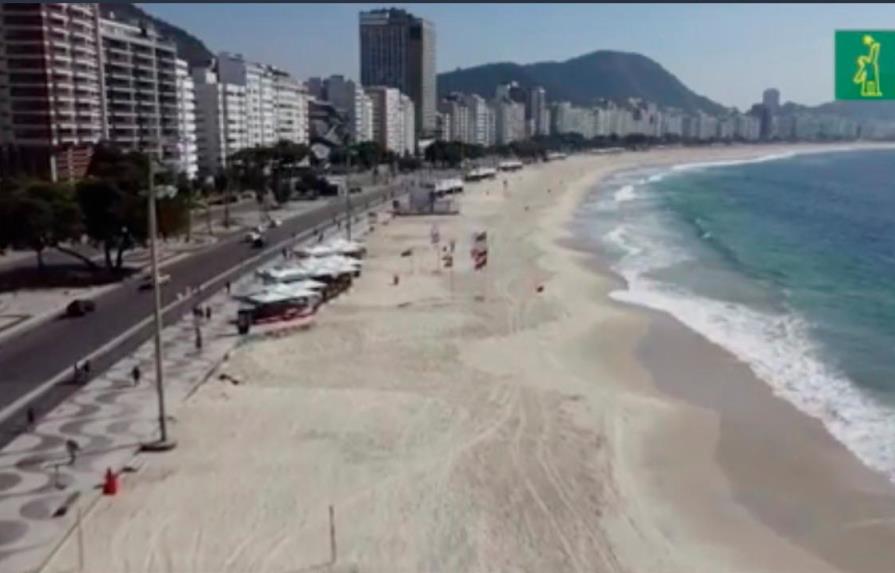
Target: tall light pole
(164, 443)
(348, 196)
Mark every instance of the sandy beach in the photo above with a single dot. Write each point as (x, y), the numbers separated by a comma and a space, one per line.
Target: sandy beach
(473, 421)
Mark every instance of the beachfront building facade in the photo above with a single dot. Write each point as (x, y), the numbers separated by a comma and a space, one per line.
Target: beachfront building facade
(221, 120)
(408, 126)
(187, 152)
(51, 88)
(509, 120)
(290, 105)
(397, 50)
(537, 112)
(141, 103)
(388, 117)
(349, 98)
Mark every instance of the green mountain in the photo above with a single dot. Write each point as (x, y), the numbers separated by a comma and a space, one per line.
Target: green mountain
(189, 47)
(581, 80)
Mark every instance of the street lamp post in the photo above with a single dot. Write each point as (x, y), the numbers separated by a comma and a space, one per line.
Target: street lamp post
(348, 197)
(164, 443)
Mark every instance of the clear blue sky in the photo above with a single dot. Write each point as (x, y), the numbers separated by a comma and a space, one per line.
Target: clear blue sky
(729, 53)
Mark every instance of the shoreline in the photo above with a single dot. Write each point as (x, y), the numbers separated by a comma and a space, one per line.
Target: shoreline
(847, 533)
(516, 418)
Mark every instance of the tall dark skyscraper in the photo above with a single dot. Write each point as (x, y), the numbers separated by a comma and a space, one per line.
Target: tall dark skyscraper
(397, 50)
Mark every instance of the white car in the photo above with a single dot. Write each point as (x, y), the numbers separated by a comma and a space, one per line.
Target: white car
(146, 280)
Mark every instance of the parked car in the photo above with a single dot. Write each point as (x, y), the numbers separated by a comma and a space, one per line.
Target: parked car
(80, 307)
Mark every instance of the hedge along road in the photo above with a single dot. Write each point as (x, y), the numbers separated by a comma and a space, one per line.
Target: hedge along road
(36, 365)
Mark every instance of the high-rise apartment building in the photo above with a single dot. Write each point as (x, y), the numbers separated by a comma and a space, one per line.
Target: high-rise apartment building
(388, 118)
(187, 152)
(350, 100)
(51, 106)
(408, 124)
(509, 120)
(771, 100)
(290, 104)
(537, 111)
(221, 120)
(266, 87)
(140, 74)
(397, 50)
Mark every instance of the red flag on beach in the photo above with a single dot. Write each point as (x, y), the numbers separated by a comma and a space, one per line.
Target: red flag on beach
(479, 250)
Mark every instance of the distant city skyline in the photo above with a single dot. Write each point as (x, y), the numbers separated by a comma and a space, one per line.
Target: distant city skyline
(729, 53)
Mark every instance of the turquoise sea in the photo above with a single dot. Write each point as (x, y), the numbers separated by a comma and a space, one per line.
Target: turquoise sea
(787, 261)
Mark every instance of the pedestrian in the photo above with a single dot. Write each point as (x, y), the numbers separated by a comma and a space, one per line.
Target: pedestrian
(72, 448)
(31, 417)
(285, 253)
(136, 374)
(228, 287)
(198, 338)
(207, 313)
(76, 376)
(86, 369)
(197, 312)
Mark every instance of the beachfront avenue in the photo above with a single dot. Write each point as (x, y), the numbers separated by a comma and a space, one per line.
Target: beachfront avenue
(37, 366)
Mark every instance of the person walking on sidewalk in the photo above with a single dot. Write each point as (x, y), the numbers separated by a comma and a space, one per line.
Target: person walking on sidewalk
(136, 374)
(72, 448)
(31, 417)
(208, 313)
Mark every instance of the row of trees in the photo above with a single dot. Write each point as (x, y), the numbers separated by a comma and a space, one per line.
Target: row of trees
(109, 207)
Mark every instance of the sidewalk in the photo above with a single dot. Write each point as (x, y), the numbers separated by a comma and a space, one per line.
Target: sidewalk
(109, 418)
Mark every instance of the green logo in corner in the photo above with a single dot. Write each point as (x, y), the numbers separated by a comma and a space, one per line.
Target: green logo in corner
(865, 65)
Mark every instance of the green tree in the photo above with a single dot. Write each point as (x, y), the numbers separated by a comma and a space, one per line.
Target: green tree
(40, 215)
(113, 217)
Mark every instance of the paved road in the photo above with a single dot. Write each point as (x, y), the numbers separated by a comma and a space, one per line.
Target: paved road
(29, 360)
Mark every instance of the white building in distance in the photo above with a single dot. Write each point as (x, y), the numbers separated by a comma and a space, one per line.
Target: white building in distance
(348, 98)
(509, 120)
(290, 105)
(186, 121)
(221, 120)
(388, 118)
(408, 114)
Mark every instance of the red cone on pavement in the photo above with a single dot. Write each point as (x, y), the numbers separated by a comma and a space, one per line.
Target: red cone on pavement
(110, 484)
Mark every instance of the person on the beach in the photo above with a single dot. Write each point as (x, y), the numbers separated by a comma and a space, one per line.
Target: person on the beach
(136, 374)
(72, 448)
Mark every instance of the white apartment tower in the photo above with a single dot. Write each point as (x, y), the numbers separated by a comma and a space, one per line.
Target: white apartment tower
(408, 113)
(186, 121)
(349, 99)
(221, 120)
(140, 73)
(388, 117)
(290, 106)
(510, 120)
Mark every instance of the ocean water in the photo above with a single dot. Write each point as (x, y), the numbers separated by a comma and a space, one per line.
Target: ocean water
(787, 261)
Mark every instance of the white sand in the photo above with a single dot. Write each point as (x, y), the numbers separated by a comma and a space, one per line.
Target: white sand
(450, 434)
